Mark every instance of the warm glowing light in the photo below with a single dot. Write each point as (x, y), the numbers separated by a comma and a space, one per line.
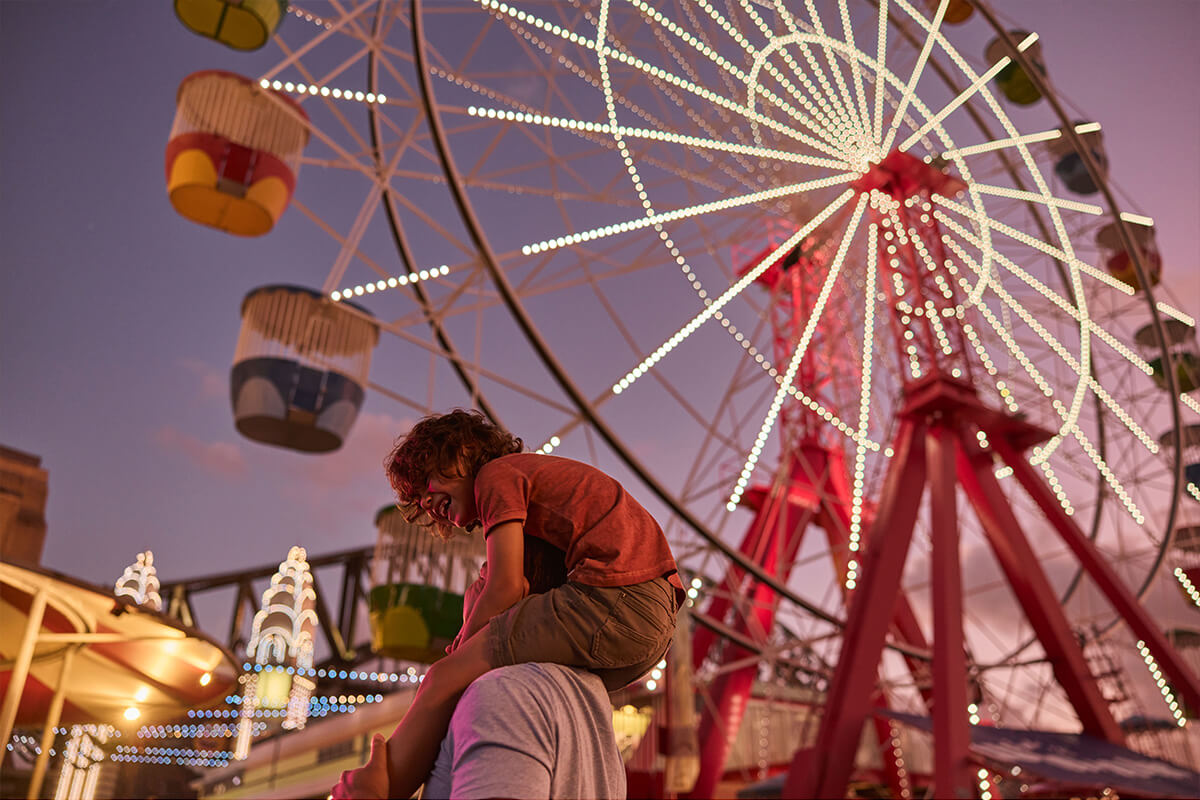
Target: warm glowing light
(391, 282)
(370, 98)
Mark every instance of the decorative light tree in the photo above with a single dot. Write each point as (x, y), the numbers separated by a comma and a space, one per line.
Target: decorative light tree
(139, 582)
(281, 650)
(85, 753)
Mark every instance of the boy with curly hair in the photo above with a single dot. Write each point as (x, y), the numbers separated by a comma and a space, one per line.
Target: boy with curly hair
(614, 615)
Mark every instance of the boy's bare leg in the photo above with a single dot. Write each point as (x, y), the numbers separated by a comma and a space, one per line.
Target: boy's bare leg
(413, 746)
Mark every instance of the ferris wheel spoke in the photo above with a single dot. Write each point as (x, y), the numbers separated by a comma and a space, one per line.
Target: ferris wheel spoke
(696, 24)
(1080, 366)
(737, 288)
(856, 72)
(828, 112)
(1032, 241)
(659, 75)
(654, 220)
(655, 135)
(824, 117)
(1014, 141)
(1034, 197)
(965, 95)
(847, 107)
(1090, 324)
(745, 166)
(917, 71)
(867, 358)
(1190, 402)
(798, 354)
(881, 67)
(334, 30)
(1069, 421)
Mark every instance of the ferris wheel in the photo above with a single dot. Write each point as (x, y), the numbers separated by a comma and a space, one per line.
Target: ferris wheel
(795, 263)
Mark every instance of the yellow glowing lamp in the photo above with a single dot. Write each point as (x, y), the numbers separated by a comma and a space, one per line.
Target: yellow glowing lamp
(274, 688)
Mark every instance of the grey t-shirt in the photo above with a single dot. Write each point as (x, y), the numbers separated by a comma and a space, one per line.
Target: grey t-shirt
(530, 731)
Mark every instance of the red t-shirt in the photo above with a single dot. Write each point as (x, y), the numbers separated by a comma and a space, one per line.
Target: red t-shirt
(608, 538)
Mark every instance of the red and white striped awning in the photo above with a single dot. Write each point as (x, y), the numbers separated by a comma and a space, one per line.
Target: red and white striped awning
(99, 654)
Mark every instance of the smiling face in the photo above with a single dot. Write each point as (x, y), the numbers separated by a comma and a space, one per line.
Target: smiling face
(450, 499)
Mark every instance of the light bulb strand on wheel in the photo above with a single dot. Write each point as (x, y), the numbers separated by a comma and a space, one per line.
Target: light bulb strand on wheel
(684, 213)
(545, 120)
(730, 293)
(965, 94)
(810, 325)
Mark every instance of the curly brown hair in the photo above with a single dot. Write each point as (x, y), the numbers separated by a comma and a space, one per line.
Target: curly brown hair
(443, 444)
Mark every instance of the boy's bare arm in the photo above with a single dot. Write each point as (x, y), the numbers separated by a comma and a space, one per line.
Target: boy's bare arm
(505, 583)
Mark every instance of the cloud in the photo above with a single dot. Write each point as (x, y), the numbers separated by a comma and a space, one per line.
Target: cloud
(224, 459)
(353, 473)
(214, 382)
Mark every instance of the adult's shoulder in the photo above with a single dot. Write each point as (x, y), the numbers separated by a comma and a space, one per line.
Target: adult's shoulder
(533, 672)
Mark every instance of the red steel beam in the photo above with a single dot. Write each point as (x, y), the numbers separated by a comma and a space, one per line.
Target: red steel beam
(1029, 583)
(825, 770)
(952, 775)
(1183, 680)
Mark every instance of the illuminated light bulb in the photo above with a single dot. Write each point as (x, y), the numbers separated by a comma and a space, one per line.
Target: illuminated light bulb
(131, 713)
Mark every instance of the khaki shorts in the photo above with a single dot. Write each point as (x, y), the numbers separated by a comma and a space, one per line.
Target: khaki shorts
(618, 632)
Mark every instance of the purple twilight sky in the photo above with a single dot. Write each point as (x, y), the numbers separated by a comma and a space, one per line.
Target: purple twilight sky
(118, 318)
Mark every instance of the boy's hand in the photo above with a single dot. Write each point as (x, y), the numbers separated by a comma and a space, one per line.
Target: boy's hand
(368, 782)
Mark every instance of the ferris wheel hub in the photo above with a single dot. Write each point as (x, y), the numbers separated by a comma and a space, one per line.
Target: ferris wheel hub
(902, 175)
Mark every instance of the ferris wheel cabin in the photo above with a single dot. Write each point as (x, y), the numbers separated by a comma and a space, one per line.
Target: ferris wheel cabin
(1189, 435)
(957, 11)
(240, 24)
(1182, 351)
(416, 601)
(234, 152)
(1013, 80)
(1117, 259)
(300, 367)
(1069, 166)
